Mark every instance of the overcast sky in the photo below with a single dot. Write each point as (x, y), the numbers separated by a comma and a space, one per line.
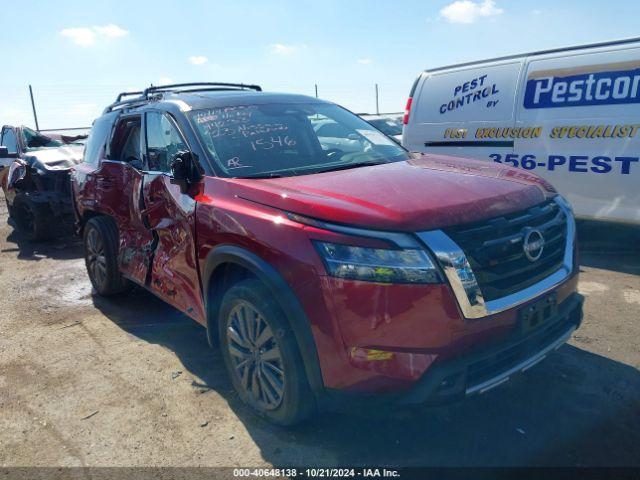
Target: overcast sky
(78, 55)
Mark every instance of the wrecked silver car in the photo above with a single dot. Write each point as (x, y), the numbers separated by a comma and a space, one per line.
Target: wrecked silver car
(34, 174)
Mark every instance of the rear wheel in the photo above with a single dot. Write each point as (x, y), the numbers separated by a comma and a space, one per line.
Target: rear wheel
(101, 256)
(262, 356)
(32, 219)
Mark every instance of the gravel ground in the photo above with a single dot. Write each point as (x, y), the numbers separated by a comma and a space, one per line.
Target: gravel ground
(86, 381)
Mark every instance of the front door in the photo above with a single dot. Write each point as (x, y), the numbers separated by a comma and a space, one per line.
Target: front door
(170, 215)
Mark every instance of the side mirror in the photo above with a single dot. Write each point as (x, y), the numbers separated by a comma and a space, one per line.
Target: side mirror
(4, 153)
(181, 168)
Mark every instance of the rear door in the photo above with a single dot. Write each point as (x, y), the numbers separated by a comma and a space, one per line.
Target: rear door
(170, 214)
(117, 188)
(468, 111)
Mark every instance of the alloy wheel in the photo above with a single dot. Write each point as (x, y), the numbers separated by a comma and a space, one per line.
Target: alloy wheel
(256, 356)
(96, 259)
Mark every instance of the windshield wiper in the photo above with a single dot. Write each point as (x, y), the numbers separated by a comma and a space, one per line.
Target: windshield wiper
(263, 175)
(334, 168)
(347, 166)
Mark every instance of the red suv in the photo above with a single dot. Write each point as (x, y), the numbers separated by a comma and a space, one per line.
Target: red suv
(323, 259)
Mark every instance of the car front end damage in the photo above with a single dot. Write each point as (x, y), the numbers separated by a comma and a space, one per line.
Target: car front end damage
(37, 189)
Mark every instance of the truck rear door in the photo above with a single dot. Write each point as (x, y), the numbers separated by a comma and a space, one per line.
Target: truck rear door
(467, 111)
(587, 106)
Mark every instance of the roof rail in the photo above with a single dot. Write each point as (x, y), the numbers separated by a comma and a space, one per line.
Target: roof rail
(203, 86)
(136, 101)
(144, 96)
(127, 94)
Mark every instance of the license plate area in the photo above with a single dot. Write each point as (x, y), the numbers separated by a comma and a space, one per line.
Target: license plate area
(537, 314)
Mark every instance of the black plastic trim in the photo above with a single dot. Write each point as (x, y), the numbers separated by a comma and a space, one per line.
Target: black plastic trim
(471, 143)
(426, 390)
(281, 292)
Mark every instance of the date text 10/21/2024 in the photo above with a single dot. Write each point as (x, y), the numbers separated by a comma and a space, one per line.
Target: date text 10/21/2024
(316, 472)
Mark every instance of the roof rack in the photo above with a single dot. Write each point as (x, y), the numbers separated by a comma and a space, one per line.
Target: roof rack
(127, 94)
(146, 95)
(203, 86)
(119, 103)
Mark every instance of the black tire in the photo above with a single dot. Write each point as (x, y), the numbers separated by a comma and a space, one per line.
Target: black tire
(296, 402)
(100, 241)
(31, 218)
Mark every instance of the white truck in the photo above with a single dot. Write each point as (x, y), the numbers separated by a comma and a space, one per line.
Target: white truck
(571, 115)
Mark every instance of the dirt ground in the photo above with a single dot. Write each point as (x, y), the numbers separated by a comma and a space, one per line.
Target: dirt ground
(86, 381)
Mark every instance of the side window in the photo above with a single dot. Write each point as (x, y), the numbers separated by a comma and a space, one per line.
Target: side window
(94, 149)
(10, 141)
(125, 143)
(163, 141)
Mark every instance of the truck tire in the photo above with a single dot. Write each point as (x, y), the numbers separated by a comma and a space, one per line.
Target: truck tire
(262, 356)
(31, 218)
(100, 241)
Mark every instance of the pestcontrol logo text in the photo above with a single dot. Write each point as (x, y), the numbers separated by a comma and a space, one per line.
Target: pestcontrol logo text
(584, 86)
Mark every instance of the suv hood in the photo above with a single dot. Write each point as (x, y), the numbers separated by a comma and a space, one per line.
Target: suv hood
(423, 193)
(54, 158)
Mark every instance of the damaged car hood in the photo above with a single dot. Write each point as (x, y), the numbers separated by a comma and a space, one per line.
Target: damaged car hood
(425, 192)
(54, 158)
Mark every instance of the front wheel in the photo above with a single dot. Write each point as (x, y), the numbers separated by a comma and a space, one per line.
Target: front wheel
(32, 218)
(101, 256)
(262, 355)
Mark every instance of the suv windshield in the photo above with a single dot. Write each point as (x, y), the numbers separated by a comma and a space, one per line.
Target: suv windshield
(290, 139)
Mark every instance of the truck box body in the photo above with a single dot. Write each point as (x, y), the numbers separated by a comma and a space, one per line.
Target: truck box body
(570, 115)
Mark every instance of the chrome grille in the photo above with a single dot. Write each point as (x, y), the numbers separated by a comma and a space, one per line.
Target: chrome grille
(495, 250)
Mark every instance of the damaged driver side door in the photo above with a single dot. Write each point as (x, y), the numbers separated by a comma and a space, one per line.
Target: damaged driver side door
(170, 215)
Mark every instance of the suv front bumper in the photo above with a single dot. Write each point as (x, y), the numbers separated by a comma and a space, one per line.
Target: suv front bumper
(481, 370)
(491, 366)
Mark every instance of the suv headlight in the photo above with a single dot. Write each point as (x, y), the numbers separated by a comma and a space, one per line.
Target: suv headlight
(378, 264)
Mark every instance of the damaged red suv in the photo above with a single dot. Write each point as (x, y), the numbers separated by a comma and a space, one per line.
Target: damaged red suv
(324, 260)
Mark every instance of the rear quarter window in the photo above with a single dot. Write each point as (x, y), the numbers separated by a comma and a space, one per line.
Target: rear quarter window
(100, 131)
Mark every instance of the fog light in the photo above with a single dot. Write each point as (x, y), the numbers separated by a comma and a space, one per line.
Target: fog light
(370, 354)
(398, 365)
